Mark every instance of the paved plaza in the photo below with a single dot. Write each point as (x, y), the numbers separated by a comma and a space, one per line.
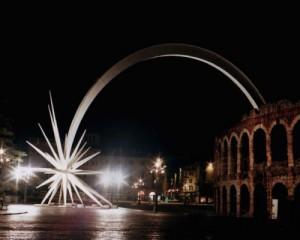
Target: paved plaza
(123, 223)
(87, 223)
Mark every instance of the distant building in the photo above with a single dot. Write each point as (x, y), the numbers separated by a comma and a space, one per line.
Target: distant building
(193, 183)
(191, 177)
(184, 184)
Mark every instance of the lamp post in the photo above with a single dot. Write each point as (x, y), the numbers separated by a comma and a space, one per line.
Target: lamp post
(208, 179)
(24, 174)
(2, 151)
(138, 185)
(209, 168)
(2, 160)
(10, 159)
(157, 169)
(5, 161)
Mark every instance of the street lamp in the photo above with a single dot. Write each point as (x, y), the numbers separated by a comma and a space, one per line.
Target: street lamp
(8, 158)
(2, 152)
(22, 173)
(210, 167)
(208, 180)
(209, 172)
(137, 185)
(157, 169)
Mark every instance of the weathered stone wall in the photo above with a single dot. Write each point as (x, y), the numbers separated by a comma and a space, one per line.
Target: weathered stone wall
(281, 117)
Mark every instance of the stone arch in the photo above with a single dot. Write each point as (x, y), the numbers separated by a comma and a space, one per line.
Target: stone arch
(296, 140)
(219, 149)
(296, 209)
(295, 121)
(219, 158)
(244, 200)
(280, 192)
(260, 201)
(278, 122)
(224, 201)
(158, 51)
(245, 131)
(225, 139)
(218, 200)
(279, 150)
(233, 201)
(234, 135)
(233, 155)
(279, 181)
(260, 126)
(260, 146)
(225, 157)
(245, 154)
(245, 182)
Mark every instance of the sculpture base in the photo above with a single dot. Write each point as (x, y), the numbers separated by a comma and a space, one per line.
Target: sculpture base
(70, 205)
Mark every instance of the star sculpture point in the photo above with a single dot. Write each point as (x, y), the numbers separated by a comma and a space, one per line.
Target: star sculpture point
(66, 165)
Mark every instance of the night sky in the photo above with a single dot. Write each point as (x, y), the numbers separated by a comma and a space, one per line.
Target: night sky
(170, 106)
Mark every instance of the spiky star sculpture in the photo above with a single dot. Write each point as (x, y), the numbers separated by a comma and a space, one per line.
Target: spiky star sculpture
(66, 167)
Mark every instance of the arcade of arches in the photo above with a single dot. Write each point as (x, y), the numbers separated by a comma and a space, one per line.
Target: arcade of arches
(258, 160)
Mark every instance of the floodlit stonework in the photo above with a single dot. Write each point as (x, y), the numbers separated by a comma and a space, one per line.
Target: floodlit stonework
(259, 160)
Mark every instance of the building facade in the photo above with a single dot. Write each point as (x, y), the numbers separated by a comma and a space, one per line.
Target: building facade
(188, 183)
(190, 178)
(257, 164)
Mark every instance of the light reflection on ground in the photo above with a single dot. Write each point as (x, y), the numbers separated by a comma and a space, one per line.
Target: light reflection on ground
(122, 223)
(82, 223)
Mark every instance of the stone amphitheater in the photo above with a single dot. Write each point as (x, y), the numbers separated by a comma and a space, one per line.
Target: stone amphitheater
(257, 164)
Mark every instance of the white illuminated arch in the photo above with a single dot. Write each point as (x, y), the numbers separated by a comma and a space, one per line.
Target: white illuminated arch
(66, 162)
(158, 51)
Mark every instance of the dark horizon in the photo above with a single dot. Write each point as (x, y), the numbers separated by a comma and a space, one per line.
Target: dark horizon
(155, 107)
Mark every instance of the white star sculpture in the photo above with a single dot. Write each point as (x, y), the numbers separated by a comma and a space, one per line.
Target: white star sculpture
(66, 167)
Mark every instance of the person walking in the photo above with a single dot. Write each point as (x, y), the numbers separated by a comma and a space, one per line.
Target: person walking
(1, 204)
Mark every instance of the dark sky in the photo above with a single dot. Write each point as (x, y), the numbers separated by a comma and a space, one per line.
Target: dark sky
(169, 106)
